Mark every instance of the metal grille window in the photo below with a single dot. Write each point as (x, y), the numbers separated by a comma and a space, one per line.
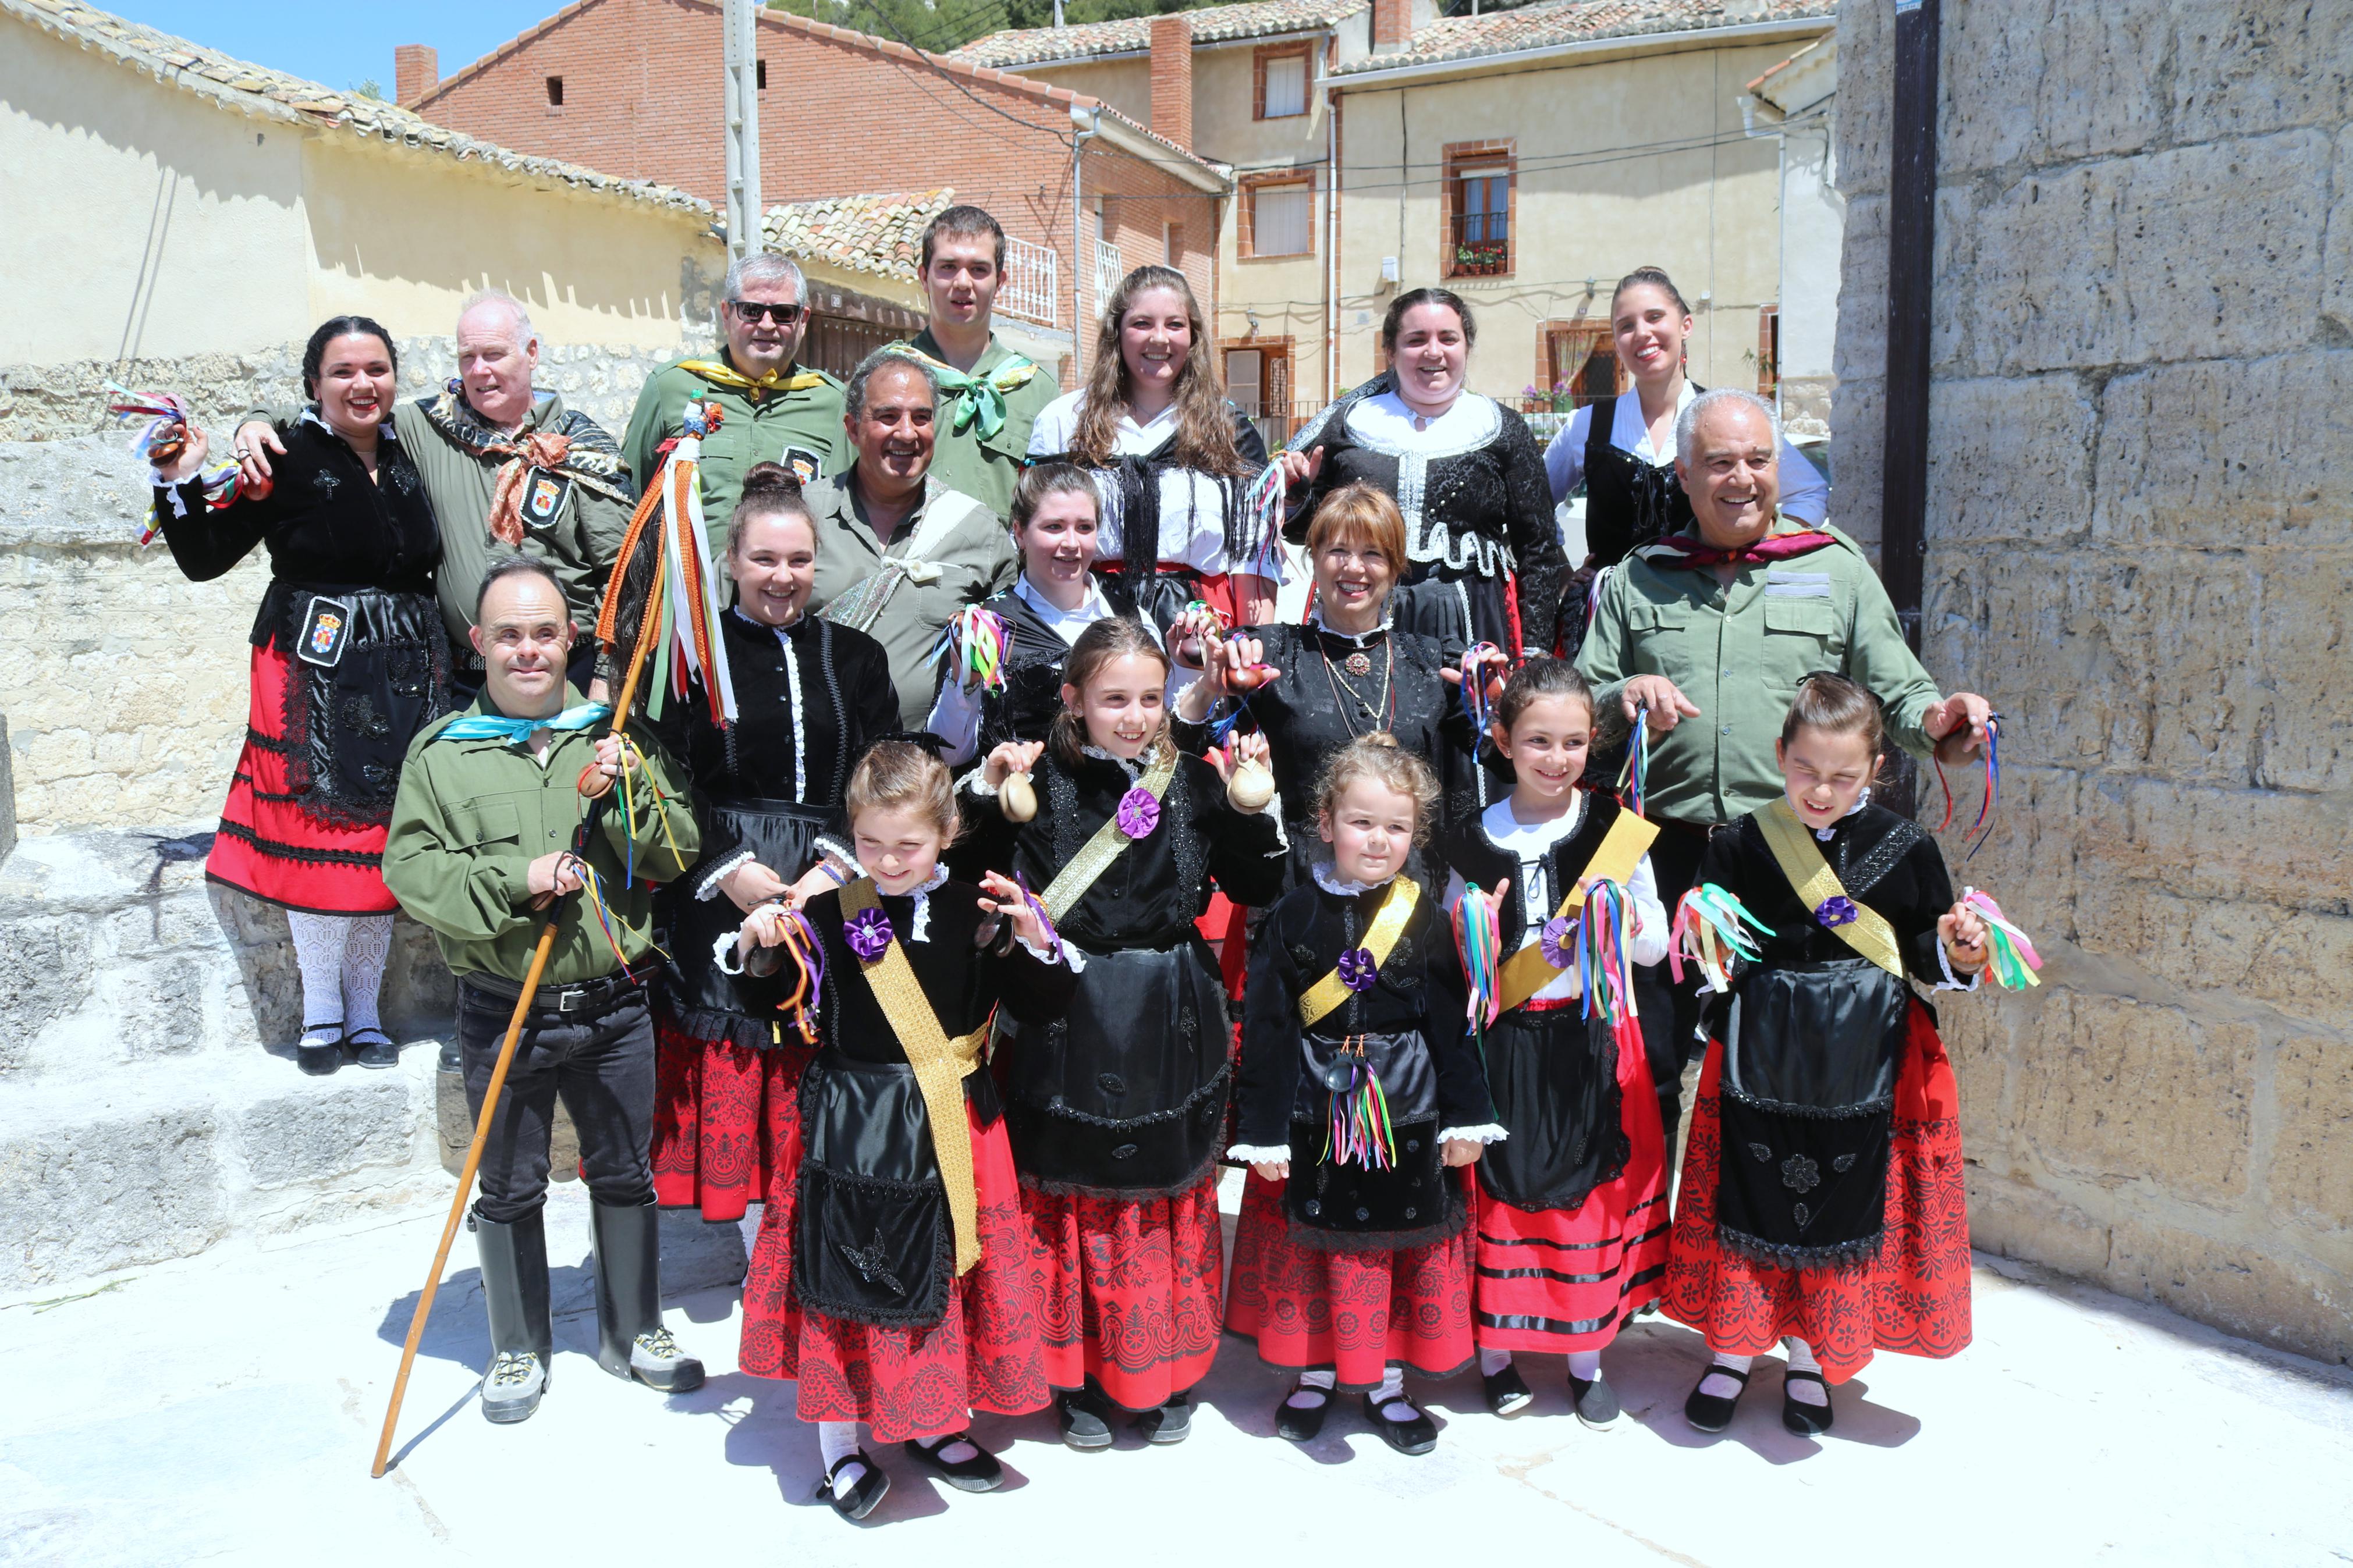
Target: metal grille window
(1281, 219)
(1029, 289)
(1482, 220)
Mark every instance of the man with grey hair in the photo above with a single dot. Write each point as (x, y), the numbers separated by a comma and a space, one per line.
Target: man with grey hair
(508, 470)
(772, 410)
(1707, 634)
(899, 553)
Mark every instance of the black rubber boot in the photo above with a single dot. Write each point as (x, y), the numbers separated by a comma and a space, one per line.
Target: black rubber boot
(630, 1340)
(514, 1291)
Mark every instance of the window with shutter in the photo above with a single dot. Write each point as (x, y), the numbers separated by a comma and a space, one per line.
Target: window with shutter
(1281, 219)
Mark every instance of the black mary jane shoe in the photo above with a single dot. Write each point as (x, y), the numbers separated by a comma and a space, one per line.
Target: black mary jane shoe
(1168, 1423)
(865, 1492)
(1300, 1423)
(980, 1473)
(1508, 1392)
(1596, 1402)
(1710, 1412)
(1417, 1434)
(1083, 1420)
(378, 1051)
(319, 1060)
(1806, 1420)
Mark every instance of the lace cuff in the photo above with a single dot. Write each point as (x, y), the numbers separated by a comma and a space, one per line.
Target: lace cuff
(1488, 1132)
(839, 858)
(1945, 962)
(1070, 957)
(1252, 1154)
(708, 889)
(976, 781)
(723, 954)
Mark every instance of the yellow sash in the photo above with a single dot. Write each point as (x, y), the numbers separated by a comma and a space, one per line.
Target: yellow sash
(723, 375)
(941, 1065)
(1811, 877)
(1527, 971)
(1108, 843)
(1388, 923)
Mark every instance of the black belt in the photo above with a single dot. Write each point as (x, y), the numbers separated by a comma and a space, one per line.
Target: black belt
(585, 996)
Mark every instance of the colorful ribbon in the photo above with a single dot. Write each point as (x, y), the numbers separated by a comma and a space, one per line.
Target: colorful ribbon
(1478, 937)
(974, 646)
(1474, 686)
(2010, 958)
(1712, 927)
(1045, 921)
(162, 440)
(800, 940)
(1992, 782)
(1634, 778)
(1605, 951)
(1359, 1131)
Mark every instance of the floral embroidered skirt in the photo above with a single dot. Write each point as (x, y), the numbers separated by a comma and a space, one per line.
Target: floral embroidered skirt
(1131, 1289)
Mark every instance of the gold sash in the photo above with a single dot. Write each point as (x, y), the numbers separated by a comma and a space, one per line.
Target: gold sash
(1811, 877)
(1527, 971)
(941, 1065)
(1062, 894)
(1388, 923)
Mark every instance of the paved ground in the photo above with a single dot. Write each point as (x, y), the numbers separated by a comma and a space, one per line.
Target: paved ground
(225, 1411)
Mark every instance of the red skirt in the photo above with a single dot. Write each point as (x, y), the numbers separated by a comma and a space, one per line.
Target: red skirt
(1569, 1279)
(904, 1383)
(1131, 1298)
(268, 845)
(721, 1112)
(1354, 1313)
(1913, 1297)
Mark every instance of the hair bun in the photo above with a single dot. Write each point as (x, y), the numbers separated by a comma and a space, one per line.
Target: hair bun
(770, 481)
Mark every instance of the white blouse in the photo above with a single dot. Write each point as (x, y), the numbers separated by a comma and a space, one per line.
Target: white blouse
(1538, 899)
(1805, 494)
(1192, 505)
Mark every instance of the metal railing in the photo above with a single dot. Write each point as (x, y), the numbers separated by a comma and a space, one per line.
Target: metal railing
(1110, 272)
(1029, 289)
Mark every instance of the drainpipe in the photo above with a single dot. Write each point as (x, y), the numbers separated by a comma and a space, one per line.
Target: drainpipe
(1911, 262)
(1088, 122)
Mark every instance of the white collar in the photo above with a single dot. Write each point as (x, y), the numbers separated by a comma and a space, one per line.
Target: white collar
(1630, 433)
(1827, 834)
(311, 415)
(1328, 877)
(1134, 769)
(1389, 617)
(922, 897)
(1092, 608)
(1529, 840)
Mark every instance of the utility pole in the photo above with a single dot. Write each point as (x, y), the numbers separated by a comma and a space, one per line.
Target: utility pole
(741, 22)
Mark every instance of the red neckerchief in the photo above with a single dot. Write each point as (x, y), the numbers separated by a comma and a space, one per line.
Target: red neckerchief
(1683, 549)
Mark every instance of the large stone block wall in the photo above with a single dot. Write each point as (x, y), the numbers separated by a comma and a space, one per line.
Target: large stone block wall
(2139, 547)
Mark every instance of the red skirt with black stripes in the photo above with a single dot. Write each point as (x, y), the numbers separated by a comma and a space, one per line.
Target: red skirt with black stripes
(268, 845)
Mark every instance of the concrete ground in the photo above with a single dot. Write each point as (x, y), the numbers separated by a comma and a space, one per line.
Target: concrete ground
(225, 1410)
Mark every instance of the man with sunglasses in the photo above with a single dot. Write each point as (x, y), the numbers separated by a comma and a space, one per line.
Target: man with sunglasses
(772, 410)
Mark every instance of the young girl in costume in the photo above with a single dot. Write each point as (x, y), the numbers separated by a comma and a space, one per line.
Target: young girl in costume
(1821, 1204)
(1571, 1235)
(1361, 1092)
(895, 1278)
(1115, 1109)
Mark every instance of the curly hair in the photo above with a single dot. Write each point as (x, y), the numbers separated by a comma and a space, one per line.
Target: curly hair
(1379, 758)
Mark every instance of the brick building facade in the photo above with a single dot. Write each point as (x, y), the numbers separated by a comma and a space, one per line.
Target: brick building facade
(633, 88)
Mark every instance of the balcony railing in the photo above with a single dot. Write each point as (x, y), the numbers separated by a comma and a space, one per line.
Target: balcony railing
(1028, 290)
(1110, 272)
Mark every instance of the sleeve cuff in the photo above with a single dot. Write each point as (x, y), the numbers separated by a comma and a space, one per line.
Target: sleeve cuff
(1261, 1154)
(723, 953)
(976, 782)
(1945, 962)
(838, 856)
(1486, 1132)
(1071, 958)
(708, 888)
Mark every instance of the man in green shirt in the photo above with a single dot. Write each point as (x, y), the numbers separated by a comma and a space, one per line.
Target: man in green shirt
(898, 552)
(483, 825)
(772, 410)
(989, 395)
(1707, 637)
(508, 470)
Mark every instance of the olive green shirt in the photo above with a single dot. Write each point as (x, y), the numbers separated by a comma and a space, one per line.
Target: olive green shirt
(801, 429)
(986, 470)
(471, 816)
(954, 550)
(1739, 650)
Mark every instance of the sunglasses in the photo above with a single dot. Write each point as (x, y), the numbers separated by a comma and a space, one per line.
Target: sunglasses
(783, 315)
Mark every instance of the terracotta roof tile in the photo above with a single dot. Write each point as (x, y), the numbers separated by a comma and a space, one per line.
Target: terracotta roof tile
(879, 234)
(1575, 21)
(1211, 23)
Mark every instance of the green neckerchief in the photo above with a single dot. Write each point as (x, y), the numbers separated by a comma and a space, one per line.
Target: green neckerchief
(982, 397)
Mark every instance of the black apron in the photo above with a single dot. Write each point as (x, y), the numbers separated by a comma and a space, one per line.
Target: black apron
(1352, 1207)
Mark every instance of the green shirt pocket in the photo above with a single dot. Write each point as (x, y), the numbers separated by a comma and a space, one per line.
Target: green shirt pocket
(1803, 635)
(485, 822)
(1663, 639)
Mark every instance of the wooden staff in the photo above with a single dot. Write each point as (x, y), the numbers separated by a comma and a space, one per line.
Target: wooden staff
(646, 632)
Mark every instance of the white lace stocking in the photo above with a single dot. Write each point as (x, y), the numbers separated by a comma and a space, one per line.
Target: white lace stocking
(319, 943)
(365, 953)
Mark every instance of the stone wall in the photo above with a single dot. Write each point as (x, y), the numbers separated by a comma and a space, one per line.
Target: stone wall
(2139, 547)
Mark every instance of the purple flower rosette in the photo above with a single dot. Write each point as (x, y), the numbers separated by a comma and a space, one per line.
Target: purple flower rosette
(1558, 941)
(1837, 912)
(1357, 968)
(1139, 813)
(868, 932)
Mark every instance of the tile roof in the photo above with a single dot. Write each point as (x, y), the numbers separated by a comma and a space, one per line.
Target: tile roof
(878, 234)
(1576, 21)
(255, 90)
(1211, 23)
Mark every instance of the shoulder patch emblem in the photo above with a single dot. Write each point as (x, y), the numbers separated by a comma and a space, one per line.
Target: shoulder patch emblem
(544, 495)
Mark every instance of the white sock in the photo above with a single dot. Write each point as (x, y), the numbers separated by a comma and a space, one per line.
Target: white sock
(1320, 1381)
(1716, 1387)
(1390, 1397)
(1585, 1365)
(1804, 1390)
(319, 942)
(1493, 1362)
(953, 1447)
(367, 948)
(836, 1441)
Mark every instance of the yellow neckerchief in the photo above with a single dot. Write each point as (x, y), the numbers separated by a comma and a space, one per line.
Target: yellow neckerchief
(719, 374)
(1071, 884)
(941, 1066)
(1397, 905)
(1816, 884)
(1527, 971)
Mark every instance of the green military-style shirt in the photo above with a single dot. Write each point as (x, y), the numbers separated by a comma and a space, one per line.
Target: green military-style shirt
(797, 423)
(1739, 650)
(470, 817)
(987, 469)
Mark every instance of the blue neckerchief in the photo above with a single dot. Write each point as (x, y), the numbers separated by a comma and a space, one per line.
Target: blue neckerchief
(516, 731)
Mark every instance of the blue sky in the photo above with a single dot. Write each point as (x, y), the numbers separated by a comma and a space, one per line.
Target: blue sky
(340, 44)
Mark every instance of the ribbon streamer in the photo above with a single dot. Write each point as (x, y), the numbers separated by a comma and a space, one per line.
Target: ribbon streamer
(1478, 937)
(1605, 952)
(1359, 1131)
(1634, 778)
(1045, 921)
(1474, 686)
(1992, 783)
(1712, 927)
(973, 646)
(690, 643)
(809, 953)
(161, 439)
(2010, 958)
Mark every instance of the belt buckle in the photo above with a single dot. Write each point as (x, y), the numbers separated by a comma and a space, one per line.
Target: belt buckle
(571, 998)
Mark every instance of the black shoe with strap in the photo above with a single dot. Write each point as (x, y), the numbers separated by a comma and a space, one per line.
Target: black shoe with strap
(1712, 1412)
(1168, 1423)
(319, 1058)
(1806, 1420)
(1300, 1423)
(864, 1493)
(976, 1472)
(372, 1048)
(1507, 1392)
(1411, 1434)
